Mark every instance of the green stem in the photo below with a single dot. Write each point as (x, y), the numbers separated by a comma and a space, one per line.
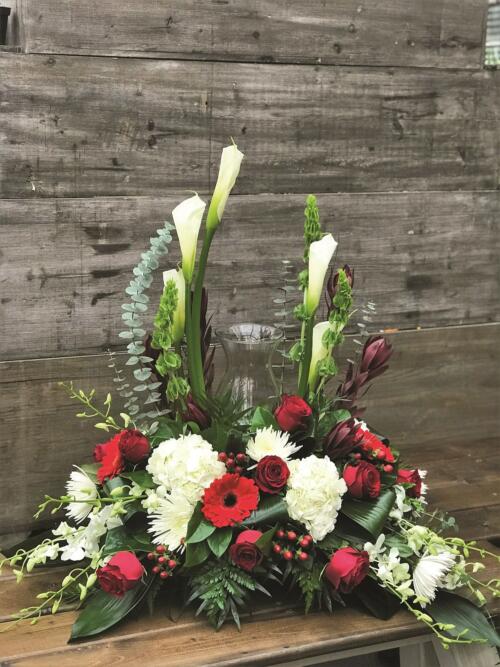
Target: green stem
(197, 362)
(306, 356)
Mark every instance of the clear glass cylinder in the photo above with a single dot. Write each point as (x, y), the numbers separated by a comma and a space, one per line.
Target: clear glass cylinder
(249, 349)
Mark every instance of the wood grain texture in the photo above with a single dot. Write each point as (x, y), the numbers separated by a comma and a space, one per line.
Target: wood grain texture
(422, 33)
(443, 387)
(425, 259)
(105, 127)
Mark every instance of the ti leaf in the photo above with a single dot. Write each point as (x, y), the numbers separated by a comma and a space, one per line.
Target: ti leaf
(370, 514)
(203, 530)
(271, 510)
(104, 610)
(262, 418)
(196, 554)
(220, 540)
(464, 615)
(265, 541)
(376, 599)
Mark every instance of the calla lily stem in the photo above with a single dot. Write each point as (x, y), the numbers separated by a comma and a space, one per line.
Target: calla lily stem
(306, 356)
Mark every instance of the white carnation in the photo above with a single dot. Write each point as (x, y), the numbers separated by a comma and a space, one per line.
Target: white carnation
(187, 464)
(170, 520)
(268, 442)
(314, 494)
(81, 489)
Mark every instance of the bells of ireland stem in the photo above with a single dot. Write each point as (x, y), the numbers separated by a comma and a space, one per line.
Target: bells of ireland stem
(320, 255)
(177, 277)
(228, 173)
(319, 352)
(187, 219)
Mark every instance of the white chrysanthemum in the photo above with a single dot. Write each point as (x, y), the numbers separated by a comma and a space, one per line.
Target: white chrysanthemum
(430, 572)
(187, 464)
(314, 494)
(170, 521)
(81, 488)
(268, 442)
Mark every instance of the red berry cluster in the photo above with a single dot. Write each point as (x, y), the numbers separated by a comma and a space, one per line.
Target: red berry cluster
(165, 564)
(289, 545)
(234, 463)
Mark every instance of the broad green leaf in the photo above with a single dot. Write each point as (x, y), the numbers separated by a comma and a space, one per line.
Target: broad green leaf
(464, 615)
(196, 554)
(118, 539)
(376, 599)
(90, 469)
(104, 610)
(400, 543)
(140, 477)
(220, 540)
(203, 530)
(217, 436)
(370, 514)
(195, 520)
(262, 418)
(271, 510)
(265, 541)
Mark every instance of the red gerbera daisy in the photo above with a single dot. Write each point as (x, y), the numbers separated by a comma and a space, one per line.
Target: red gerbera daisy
(229, 500)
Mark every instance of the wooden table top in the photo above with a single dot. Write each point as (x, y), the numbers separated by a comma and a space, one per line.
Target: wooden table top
(464, 483)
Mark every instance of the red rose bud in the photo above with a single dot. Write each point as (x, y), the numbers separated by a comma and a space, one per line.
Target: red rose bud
(410, 477)
(112, 462)
(134, 446)
(375, 357)
(195, 414)
(363, 480)
(342, 439)
(293, 413)
(244, 552)
(347, 569)
(271, 474)
(122, 573)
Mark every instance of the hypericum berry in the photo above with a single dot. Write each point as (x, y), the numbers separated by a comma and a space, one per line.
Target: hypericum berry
(357, 455)
(304, 543)
(230, 463)
(291, 536)
(240, 457)
(164, 574)
(156, 569)
(151, 556)
(160, 549)
(222, 457)
(388, 468)
(280, 534)
(287, 554)
(238, 470)
(381, 454)
(172, 563)
(277, 549)
(162, 560)
(302, 555)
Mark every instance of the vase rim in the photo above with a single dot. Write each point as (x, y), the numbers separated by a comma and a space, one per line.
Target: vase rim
(249, 332)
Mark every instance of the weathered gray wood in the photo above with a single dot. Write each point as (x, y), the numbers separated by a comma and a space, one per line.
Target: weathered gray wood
(443, 386)
(99, 126)
(427, 33)
(425, 259)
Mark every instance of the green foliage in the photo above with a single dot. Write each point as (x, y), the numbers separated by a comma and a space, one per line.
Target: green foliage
(313, 588)
(312, 226)
(222, 588)
(263, 418)
(466, 620)
(162, 332)
(119, 539)
(371, 515)
(271, 509)
(220, 540)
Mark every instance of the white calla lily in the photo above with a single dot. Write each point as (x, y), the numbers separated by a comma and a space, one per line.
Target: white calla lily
(228, 173)
(319, 352)
(187, 219)
(320, 255)
(177, 277)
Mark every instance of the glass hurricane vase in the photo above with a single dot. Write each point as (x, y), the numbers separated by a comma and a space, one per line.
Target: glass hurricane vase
(249, 349)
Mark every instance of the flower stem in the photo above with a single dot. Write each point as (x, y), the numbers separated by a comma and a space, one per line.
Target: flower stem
(306, 355)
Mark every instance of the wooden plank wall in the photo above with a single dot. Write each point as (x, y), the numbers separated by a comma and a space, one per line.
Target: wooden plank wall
(115, 108)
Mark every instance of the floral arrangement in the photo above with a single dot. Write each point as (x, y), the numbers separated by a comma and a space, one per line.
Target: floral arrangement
(198, 500)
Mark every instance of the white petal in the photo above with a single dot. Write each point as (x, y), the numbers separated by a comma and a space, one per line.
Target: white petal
(187, 219)
(320, 255)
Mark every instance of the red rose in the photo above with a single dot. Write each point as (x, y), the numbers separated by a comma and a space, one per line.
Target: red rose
(292, 413)
(122, 573)
(347, 569)
(110, 457)
(244, 551)
(373, 447)
(272, 474)
(134, 445)
(363, 480)
(411, 477)
(229, 500)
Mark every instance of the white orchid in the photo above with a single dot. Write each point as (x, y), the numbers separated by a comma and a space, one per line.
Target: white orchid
(187, 219)
(319, 352)
(429, 574)
(177, 277)
(228, 173)
(320, 255)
